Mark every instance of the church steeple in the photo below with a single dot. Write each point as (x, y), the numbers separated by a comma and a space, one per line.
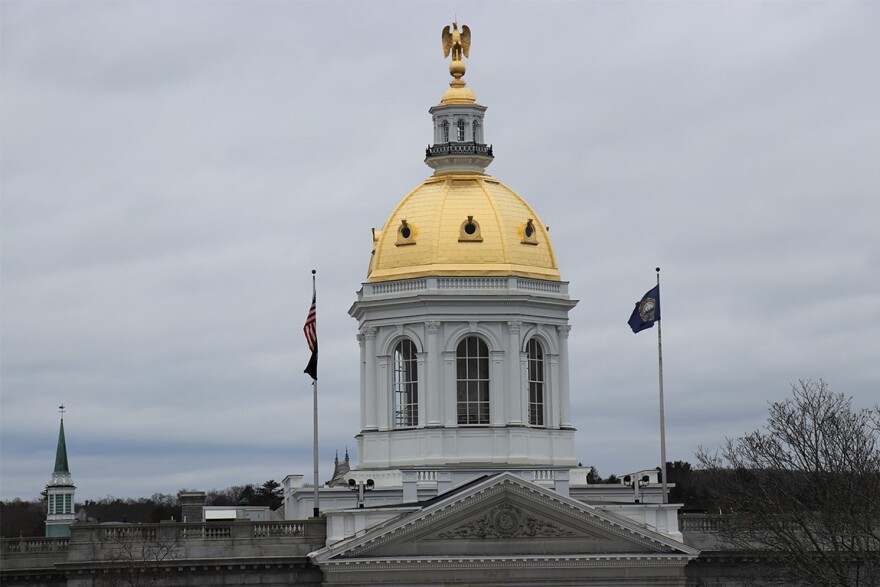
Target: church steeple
(60, 490)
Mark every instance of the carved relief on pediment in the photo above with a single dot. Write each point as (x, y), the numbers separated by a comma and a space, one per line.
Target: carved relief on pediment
(506, 521)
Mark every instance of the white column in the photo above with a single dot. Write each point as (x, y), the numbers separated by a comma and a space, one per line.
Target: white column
(369, 335)
(552, 401)
(564, 395)
(515, 387)
(383, 392)
(433, 389)
(421, 362)
(496, 388)
(360, 339)
(524, 385)
(449, 389)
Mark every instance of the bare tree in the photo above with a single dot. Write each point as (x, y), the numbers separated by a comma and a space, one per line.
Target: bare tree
(137, 554)
(804, 492)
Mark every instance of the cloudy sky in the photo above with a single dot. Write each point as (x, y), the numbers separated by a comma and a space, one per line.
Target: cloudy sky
(172, 171)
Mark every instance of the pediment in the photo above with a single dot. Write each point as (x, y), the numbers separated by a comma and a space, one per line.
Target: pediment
(505, 516)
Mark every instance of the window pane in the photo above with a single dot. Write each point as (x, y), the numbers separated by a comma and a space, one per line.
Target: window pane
(473, 368)
(473, 381)
(404, 384)
(483, 372)
(536, 382)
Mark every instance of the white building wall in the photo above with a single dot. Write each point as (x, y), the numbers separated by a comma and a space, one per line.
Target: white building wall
(437, 324)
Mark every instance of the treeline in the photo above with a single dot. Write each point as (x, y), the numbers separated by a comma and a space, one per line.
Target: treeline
(26, 518)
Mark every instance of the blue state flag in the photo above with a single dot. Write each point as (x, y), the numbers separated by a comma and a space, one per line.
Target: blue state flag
(647, 310)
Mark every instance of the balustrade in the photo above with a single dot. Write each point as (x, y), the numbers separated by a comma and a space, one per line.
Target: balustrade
(699, 523)
(392, 287)
(468, 148)
(553, 287)
(472, 283)
(464, 283)
(279, 529)
(26, 545)
(427, 477)
(129, 532)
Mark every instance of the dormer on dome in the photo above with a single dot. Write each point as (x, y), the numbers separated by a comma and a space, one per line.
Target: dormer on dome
(459, 145)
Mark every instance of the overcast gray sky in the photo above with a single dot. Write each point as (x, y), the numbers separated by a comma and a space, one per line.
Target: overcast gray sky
(172, 171)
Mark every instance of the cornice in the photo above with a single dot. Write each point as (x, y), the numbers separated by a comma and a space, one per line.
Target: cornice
(419, 311)
(511, 562)
(465, 298)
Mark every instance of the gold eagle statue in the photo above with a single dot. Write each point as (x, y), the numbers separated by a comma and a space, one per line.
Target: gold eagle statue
(458, 42)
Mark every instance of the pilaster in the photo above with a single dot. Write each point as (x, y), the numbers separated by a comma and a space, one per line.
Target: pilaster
(516, 384)
(363, 382)
(564, 394)
(371, 423)
(421, 370)
(450, 391)
(496, 392)
(383, 392)
(433, 388)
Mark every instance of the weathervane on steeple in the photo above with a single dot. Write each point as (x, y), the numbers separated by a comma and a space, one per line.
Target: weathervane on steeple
(61, 410)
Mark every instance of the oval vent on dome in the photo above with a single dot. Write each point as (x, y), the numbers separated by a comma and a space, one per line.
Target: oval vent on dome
(405, 234)
(470, 231)
(529, 233)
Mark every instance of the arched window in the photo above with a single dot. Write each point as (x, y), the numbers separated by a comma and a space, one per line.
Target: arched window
(460, 130)
(536, 382)
(472, 372)
(445, 127)
(405, 384)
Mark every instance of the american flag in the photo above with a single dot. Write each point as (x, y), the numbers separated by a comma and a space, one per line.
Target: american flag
(311, 331)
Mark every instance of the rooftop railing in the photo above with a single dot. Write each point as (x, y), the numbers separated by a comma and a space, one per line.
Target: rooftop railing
(33, 545)
(450, 284)
(179, 532)
(466, 148)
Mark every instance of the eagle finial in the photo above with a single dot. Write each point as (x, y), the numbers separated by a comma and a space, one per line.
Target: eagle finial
(459, 44)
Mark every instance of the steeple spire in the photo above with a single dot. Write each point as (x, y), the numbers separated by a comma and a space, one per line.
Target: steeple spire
(61, 466)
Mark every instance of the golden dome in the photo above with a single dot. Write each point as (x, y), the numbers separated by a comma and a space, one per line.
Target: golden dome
(462, 225)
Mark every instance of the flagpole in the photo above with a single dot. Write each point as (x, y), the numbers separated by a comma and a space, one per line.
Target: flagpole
(662, 410)
(316, 510)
